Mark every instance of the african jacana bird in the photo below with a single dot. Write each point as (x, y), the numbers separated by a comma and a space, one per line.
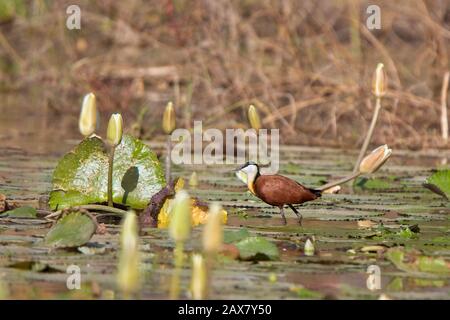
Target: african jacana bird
(275, 189)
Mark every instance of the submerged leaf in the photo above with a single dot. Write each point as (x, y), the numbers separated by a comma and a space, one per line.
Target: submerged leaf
(257, 248)
(22, 212)
(73, 230)
(81, 176)
(235, 236)
(439, 182)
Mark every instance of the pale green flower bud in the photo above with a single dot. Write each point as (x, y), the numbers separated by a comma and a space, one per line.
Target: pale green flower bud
(129, 259)
(309, 248)
(169, 119)
(379, 81)
(213, 231)
(374, 160)
(180, 221)
(115, 129)
(88, 116)
(199, 277)
(253, 117)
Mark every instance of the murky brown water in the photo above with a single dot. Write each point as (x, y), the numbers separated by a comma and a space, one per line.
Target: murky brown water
(32, 143)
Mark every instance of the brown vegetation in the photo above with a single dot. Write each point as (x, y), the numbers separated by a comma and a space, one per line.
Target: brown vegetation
(306, 65)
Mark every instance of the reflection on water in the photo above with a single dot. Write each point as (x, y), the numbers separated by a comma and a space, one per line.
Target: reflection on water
(34, 127)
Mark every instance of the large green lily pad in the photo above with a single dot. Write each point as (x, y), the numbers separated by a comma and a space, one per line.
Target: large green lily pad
(71, 231)
(81, 176)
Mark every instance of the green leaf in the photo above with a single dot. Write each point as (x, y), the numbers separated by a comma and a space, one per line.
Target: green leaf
(235, 236)
(305, 293)
(406, 233)
(22, 212)
(439, 182)
(81, 176)
(73, 230)
(257, 248)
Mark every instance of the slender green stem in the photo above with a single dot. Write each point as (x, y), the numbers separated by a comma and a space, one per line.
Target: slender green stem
(365, 145)
(178, 262)
(338, 182)
(110, 176)
(98, 207)
(168, 162)
(210, 262)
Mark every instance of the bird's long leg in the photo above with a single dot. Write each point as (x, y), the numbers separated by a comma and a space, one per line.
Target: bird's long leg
(299, 215)
(282, 215)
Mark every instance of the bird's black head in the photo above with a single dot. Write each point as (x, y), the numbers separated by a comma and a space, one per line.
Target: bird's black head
(247, 164)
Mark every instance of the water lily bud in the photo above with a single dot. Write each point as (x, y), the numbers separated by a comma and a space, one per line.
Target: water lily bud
(180, 222)
(199, 277)
(193, 180)
(373, 161)
(88, 116)
(169, 119)
(115, 129)
(213, 233)
(379, 81)
(253, 117)
(309, 248)
(129, 259)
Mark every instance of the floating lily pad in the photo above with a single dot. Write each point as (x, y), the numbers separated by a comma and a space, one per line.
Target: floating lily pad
(257, 248)
(71, 231)
(22, 212)
(235, 236)
(439, 182)
(81, 176)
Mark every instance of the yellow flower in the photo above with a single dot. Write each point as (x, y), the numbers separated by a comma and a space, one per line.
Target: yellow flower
(198, 214)
(88, 116)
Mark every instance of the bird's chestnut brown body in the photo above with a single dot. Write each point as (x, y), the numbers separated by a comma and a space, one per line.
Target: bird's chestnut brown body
(278, 190)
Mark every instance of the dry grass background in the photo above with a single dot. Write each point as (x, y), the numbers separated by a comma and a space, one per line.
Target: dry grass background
(307, 65)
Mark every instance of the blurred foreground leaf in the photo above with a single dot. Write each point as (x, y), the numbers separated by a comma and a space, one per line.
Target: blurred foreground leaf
(439, 182)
